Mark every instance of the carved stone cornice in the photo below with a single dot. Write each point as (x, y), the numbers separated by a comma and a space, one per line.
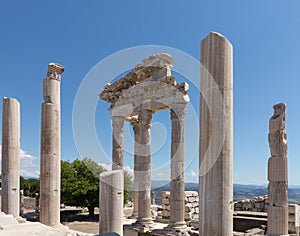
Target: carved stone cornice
(141, 72)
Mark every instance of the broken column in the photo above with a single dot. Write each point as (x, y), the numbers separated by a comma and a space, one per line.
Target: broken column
(177, 196)
(111, 202)
(10, 175)
(144, 168)
(50, 147)
(278, 174)
(216, 137)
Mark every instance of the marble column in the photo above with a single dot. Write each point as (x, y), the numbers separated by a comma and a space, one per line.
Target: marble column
(144, 168)
(111, 202)
(10, 200)
(216, 137)
(50, 148)
(177, 196)
(117, 142)
(135, 126)
(278, 174)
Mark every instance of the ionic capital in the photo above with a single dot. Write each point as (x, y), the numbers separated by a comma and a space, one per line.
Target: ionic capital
(135, 125)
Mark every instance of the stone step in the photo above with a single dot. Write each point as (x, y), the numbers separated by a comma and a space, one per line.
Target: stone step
(6, 220)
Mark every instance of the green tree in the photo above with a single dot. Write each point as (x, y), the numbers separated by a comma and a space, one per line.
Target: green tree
(30, 186)
(80, 183)
(127, 186)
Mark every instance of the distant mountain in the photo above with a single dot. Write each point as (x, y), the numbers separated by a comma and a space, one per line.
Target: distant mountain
(240, 187)
(240, 191)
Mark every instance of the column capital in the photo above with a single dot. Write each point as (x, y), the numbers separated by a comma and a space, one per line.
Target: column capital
(135, 124)
(117, 121)
(178, 111)
(54, 71)
(145, 118)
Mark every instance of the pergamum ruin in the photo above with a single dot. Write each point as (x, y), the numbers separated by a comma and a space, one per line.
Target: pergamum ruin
(149, 88)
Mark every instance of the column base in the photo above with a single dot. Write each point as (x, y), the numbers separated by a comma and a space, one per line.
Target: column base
(178, 228)
(144, 221)
(133, 216)
(177, 225)
(143, 225)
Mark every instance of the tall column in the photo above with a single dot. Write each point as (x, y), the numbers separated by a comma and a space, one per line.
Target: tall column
(111, 202)
(50, 147)
(177, 196)
(135, 126)
(216, 137)
(118, 142)
(278, 174)
(144, 168)
(10, 200)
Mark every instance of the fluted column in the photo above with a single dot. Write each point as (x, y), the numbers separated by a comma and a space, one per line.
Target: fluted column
(216, 137)
(144, 168)
(135, 126)
(177, 196)
(278, 174)
(117, 143)
(50, 147)
(10, 203)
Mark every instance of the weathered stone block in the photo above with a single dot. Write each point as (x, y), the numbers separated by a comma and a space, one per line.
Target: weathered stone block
(165, 214)
(165, 194)
(165, 201)
(191, 193)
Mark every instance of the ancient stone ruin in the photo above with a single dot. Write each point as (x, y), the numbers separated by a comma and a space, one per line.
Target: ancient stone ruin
(135, 98)
(147, 89)
(191, 209)
(278, 173)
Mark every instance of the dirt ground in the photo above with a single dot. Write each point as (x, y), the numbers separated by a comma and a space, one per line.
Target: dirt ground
(73, 217)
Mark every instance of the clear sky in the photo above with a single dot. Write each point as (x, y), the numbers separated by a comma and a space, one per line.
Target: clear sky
(79, 34)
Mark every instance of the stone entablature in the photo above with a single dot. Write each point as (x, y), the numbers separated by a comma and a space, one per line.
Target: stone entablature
(149, 95)
(156, 68)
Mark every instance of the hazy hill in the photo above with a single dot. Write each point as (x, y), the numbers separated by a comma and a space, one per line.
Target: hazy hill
(240, 191)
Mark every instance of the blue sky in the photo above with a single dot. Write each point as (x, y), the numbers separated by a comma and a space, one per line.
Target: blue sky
(79, 34)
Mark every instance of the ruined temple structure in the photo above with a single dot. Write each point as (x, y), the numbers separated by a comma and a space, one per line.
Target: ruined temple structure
(278, 173)
(147, 89)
